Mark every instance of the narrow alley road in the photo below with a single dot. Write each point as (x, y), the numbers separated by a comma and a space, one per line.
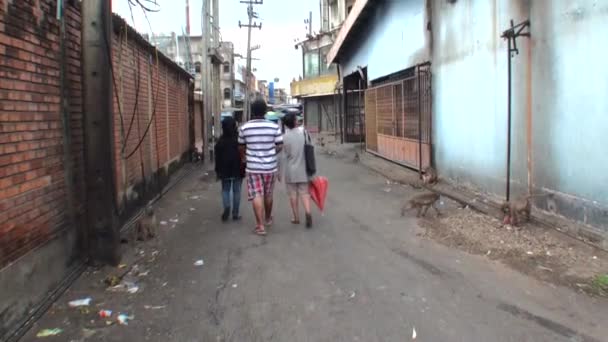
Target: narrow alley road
(362, 274)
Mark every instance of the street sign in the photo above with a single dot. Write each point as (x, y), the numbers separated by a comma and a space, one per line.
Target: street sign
(271, 92)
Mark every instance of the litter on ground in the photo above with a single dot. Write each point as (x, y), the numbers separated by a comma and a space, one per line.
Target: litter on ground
(49, 332)
(80, 302)
(124, 319)
(105, 313)
(154, 307)
(125, 286)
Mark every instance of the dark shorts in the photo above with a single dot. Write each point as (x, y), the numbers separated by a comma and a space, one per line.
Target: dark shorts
(260, 184)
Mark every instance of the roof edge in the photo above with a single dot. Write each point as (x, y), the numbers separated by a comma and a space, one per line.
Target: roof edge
(348, 24)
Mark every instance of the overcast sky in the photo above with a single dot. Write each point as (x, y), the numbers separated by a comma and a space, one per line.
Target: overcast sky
(282, 22)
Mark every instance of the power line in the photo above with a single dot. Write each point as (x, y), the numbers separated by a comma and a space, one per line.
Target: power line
(140, 3)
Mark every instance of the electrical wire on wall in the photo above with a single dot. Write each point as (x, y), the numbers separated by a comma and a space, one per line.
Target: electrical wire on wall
(137, 78)
(155, 98)
(108, 49)
(135, 113)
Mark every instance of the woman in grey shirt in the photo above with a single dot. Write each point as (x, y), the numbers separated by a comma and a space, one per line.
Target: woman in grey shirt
(294, 168)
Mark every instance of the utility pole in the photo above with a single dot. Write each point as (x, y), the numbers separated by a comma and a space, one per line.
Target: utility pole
(216, 93)
(310, 23)
(188, 17)
(250, 14)
(205, 74)
(102, 232)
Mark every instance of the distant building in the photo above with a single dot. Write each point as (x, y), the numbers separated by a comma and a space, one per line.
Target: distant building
(319, 88)
(227, 80)
(239, 86)
(263, 89)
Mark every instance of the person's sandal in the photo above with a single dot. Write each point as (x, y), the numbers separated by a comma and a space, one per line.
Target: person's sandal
(295, 221)
(260, 231)
(308, 221)
(269, 222)
(225, 214)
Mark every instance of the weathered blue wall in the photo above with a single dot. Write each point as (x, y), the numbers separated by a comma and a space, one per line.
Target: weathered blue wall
(392, 39)
(570, 105)
(560, 82)
(469, 65)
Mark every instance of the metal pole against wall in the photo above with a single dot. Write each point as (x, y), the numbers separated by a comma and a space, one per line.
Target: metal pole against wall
(419, 124)
(359, 113)
(340, 86)
(508, 187)
(101, 216)
(511, 35)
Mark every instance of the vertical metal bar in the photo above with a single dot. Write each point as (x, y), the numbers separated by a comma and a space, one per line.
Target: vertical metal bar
(403, 109)
(430, 113)
(393, 109)
(319, 115)
(508, 186)
(376, 102)
(339, 103)
(419, 123)
(529, 117)
(359, 114)
(345, 110)
(99, 137)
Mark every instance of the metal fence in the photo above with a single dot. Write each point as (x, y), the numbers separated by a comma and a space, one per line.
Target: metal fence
(398, 118)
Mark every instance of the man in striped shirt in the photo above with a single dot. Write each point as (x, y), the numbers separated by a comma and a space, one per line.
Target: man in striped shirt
(260, 141)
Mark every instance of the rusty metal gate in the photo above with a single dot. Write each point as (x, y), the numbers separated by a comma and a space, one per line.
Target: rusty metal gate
(398, 119)
(354, 111)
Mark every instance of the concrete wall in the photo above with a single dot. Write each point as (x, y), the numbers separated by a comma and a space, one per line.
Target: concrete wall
(469, 65)
(570, 106)
(394, 37)
(559, 103)
(37, 236)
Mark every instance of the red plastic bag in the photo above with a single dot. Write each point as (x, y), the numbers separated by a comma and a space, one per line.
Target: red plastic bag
(318, 191)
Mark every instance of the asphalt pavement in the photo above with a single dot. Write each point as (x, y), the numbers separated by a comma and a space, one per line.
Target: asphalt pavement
(363, 273)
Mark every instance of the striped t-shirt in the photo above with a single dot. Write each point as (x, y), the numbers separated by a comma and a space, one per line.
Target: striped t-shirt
(261, 137)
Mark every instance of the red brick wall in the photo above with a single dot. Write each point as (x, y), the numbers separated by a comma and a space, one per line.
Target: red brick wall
(160, 101)
(33, 202)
